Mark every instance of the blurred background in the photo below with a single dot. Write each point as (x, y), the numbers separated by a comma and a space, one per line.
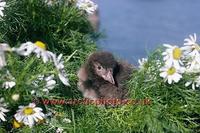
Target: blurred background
(133, 28)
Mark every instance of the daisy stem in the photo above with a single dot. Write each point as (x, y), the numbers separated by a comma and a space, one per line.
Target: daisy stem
(73, 121)
(71, 55)
(24, 72)
(52, 127)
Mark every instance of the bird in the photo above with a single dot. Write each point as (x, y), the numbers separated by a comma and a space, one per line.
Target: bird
(102, 76)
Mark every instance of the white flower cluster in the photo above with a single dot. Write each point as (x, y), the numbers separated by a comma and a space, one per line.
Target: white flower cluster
(173, 64)
(39, 49)
(179, 60)
(30, 115)
(87, 5)
(50, 83)
(26, 115)
(142, 63)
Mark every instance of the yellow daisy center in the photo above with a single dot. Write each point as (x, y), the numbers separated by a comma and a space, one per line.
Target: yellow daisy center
(28, 111)
(41, 45)
(16, 124)
(197, 47)
(177, 53)
(171, 71)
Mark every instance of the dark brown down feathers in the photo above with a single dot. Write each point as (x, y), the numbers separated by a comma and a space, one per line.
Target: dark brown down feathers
(102, 76)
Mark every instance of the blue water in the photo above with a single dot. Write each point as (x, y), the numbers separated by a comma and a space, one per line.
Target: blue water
(133, 28)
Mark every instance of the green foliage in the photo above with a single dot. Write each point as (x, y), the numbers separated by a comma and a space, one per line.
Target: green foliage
(174, 108)
(34, 20)
(64, 29)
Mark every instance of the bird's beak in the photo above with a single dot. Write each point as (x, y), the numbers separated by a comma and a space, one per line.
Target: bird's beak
(109, 77)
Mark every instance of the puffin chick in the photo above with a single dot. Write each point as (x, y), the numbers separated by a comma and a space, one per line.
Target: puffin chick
(102, 76)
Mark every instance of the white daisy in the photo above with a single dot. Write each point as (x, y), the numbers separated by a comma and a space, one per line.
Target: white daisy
(173, 55)
(29, 115)
(87, 5)
(3, 48)
(50, 83)
(195, 83)
(191, 46)
(3, 109)
(39, 48)
(190, 83)
(171, 74)
(41, 51)
(25, 49)
(192, 54)
(2, 6)
(59, 64)
(142, 62)
(8, 84)
(193, 66)
(63, 77)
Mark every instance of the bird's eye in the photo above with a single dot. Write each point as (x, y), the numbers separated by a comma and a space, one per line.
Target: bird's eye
(99, 67)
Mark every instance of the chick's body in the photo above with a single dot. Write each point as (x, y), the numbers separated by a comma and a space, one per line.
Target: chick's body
(104, 77)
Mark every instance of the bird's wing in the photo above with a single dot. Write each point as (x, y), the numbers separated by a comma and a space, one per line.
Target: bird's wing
(124, 72)
(109, 91)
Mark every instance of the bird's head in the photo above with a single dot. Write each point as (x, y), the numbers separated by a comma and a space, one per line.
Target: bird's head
(101, 64)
